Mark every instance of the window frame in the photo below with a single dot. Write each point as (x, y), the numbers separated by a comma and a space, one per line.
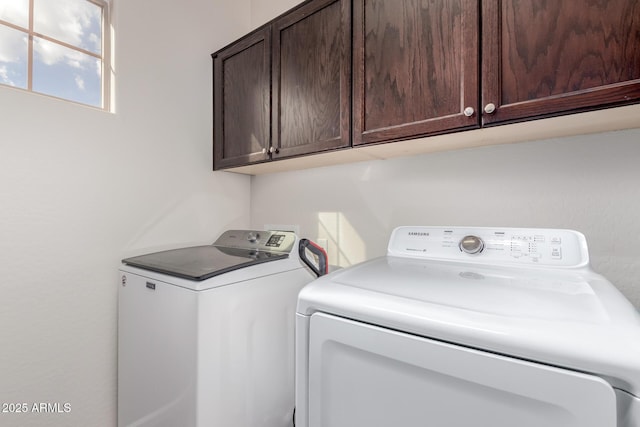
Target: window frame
(104, 56)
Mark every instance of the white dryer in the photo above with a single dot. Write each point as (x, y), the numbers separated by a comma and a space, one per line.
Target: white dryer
(205, 334)
(458, 327)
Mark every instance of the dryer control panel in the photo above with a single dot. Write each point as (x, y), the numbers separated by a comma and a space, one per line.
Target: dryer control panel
(498, 246)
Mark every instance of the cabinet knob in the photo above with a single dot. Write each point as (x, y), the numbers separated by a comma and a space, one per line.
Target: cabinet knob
(273, 150)
(490, 108)
(264, 151)
(469, 111)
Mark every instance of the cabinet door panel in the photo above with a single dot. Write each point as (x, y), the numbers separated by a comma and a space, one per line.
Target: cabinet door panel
(242, 102)
(546, 57)
(415, 67)
(311, 79)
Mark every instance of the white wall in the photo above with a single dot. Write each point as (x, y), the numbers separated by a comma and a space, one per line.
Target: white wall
(80, 189)
(263, 11)
(588, 183)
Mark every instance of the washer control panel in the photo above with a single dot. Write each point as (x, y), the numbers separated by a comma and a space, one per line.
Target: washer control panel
(524, 246)
(269, 241)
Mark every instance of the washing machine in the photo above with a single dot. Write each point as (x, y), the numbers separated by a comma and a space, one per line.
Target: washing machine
(205, 334)
(460, 326)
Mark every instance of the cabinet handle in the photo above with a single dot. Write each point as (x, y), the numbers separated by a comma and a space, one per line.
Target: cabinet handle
(469, 111)
(490, 108)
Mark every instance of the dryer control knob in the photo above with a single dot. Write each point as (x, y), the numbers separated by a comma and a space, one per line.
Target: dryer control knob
(253, 237)
(471, 245)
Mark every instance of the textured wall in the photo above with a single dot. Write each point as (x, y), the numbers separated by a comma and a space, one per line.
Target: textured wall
(265, 10)
(81, 188)
(588, 183)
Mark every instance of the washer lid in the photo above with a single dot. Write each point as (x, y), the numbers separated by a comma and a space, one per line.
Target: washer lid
(234, 249)
(201, 262)
(571, 318)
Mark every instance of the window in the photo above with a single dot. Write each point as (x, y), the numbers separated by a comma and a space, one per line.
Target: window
(57, 48)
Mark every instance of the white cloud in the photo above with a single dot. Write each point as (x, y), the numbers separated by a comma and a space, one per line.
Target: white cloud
(51, 54)
(13, 45)
(96, 41)
(74, 63)
(67, 20)
(80, 82)
(71, 21)
(4, 76)
(15, 11)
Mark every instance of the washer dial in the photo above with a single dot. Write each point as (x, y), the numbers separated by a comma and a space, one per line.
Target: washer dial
(471, 245)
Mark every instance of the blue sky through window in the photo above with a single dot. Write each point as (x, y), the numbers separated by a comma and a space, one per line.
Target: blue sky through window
(58, 70)
(66, 73)
(13, 57)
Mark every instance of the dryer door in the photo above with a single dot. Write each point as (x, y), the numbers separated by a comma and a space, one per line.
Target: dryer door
(361, 375)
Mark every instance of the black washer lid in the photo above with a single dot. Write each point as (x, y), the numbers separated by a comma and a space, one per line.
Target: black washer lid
(202, 262)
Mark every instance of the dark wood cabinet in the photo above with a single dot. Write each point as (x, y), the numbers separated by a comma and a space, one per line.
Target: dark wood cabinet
(312, 78)
(542, 58)
(333, 74)
(415, 68)
(242, 101)
(284, 90)
(418, 69)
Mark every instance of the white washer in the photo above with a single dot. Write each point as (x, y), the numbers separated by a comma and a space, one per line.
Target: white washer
(463, 327)
(205, 334)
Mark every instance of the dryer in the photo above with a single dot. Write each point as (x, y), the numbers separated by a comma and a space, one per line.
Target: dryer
(460, 326)
(205, 333)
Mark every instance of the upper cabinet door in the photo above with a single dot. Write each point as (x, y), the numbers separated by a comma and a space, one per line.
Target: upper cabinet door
(415, 68)
(311, 78)
(545, 57)
(242, 102)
